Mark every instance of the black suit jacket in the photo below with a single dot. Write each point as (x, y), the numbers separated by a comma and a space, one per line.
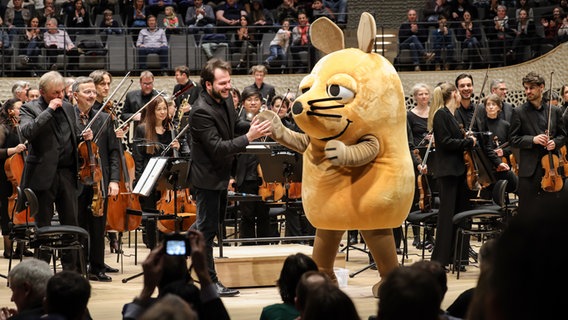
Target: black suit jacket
(524, 128)
(450, 144)
(213, 142)
(133, 101)
(38, 126)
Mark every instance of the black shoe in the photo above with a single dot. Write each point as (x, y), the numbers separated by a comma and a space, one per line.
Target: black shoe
(224, 291)
(101, 276)
(416, 242)
(110, 269)
(398, 251)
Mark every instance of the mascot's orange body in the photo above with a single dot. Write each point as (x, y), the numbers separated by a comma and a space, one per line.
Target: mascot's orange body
(357, 169)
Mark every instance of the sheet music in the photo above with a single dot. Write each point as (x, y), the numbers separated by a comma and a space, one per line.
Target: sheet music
(150, 175)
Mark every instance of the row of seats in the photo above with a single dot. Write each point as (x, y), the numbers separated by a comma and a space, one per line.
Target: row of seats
(120, 54)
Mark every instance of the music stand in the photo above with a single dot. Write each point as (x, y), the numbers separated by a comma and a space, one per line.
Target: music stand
(163, 173)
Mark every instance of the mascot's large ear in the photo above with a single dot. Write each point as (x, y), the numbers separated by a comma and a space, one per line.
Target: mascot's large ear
(366, 32)
(326, 35)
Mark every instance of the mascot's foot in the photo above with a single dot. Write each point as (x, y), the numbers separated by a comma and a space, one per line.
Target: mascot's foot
(376, 289)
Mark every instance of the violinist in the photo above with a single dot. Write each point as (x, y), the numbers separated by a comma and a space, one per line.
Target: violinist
(102, 80)
(49, 124)
(151, 137)
(255, 221)
(498, 136)
(136, 99)
(466, 109)
(92, 196)
(417, 119)
(529, 126)
(9, 145)
(499, 87)
(450, 168)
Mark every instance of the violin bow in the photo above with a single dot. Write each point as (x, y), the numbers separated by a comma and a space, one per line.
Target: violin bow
(176, 137)
(111, 112)
(549, 105)
(106, 102)
(125, 123)
(473, 118)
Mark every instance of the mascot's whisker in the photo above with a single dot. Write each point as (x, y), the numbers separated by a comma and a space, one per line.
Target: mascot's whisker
(311, 113)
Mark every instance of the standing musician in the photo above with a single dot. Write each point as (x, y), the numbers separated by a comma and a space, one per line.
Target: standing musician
(10, 144)
(499, 87)
(184, 101)
(450, 168)
(498, 137)
(255, 221)
(213, 123)
(102, 80)
(466, 108)
(537, 130)
(266, 90)
(417, 119)
(50, 126)
(151, 137)
(92, 197)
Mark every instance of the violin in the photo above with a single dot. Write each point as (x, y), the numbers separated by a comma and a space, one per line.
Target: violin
(514, 164)
(425, 200)
(501, 146)
(551, 180)
(90, 170)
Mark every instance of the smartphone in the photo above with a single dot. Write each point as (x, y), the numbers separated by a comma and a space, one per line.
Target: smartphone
(177, 245)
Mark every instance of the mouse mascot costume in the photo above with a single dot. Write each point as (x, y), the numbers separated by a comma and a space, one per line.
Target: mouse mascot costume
(357, 168)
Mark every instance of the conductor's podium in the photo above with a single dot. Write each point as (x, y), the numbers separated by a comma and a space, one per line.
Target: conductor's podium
(260, 265)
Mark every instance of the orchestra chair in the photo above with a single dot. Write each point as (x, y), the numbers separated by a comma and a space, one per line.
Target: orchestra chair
(57, 237)
(147, 217)
(425, 221)
(484, 221)
(20, 233)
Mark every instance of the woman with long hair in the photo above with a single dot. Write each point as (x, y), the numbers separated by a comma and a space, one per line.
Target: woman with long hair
(450, 168)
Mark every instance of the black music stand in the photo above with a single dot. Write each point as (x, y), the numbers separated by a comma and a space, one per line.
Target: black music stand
(163, 173)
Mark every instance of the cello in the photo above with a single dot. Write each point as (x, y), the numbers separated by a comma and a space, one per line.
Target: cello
(14, 168)
(116, 206)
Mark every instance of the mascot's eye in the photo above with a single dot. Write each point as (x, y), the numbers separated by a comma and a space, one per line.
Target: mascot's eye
(345, 94)
(304, 90)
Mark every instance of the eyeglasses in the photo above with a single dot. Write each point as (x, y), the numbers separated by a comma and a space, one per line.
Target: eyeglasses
(89, 92)
(147, 83)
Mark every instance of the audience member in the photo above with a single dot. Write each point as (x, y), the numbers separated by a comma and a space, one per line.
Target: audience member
(458, 8)
(244, 42)
(228, 15)
(28, 281)
(500, 36)
(169, 274)
(171, 21)
(327, 301)
(525, 39)
(413, 35)
(78, 22)
(266, 90)
(308, 281)
(30, 44)
(563, 30)
(170, 307)
(16, 18)
(260, 17)
(136, 15)
(286, 10)
(433, 9)
(47, 13)
(66, 296)
(409, 293)
(442, 38)
(294, 267)
(524, 5)
(58, 42)
(200, 17)
(339, 9)
(152, 40)
(301, 42)
(156, 7)
(468, 33)
(279, 45)
(319, 10)
(109, 25)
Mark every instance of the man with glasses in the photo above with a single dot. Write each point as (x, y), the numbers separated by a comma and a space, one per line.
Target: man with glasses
(499, 87)
(91, 214)
(136, 99)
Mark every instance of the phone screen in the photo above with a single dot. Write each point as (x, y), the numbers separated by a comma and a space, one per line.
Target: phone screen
(175, 247)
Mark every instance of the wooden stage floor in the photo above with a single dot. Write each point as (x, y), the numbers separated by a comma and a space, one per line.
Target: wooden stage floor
(108, 298)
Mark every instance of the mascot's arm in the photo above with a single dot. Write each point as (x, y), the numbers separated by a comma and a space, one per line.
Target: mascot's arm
(355, 155)
(288, 138)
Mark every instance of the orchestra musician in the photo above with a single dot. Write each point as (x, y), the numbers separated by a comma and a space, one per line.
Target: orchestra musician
(499, 87)
(466, 108)
(497, 135)
(9, 145)
(417, 119)
(537, 130)
(151, 137)
(214, 143)
(138, 98)
(50, 126)
(266, 90)
(85, 94)
(255, 221)
(450, 168)
(184, 101)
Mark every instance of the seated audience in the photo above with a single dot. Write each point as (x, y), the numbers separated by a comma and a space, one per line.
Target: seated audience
(67, 296)
(171, 21)
(156, 7)
(286, 10)
(200, 17)
(28, 281)
(260, 17)
(319, 10)
(136, 15)
(152, 40)
(442, 38)
(228, 15)
(339, 9)
(58, 42)
(109, 25)
(294, 267)
(16, 18)
(413, 35)
(78, 21)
